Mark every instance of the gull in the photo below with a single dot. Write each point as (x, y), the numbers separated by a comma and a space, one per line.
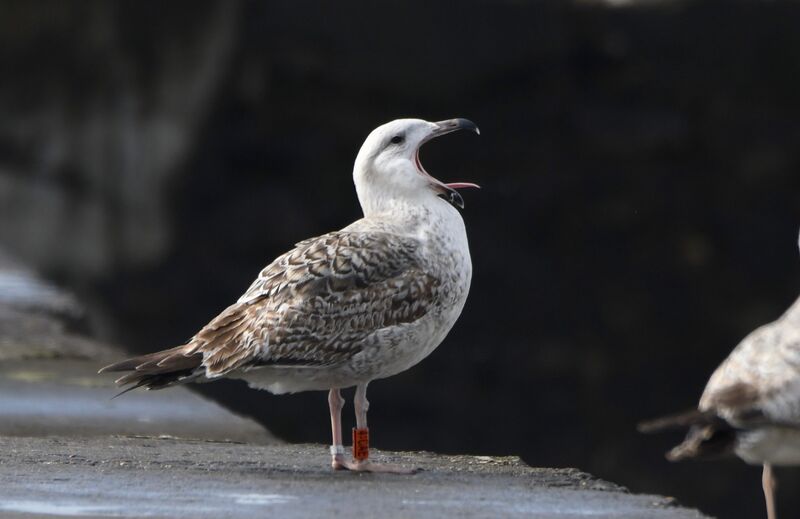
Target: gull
(348, 307)
(750, 406)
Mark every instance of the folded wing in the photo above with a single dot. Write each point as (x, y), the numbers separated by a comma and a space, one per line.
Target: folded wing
(315, 306)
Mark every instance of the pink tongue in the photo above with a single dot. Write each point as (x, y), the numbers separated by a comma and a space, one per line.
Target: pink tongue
(460, 185)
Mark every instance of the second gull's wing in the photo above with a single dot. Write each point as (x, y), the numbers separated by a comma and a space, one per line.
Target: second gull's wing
(759, 382)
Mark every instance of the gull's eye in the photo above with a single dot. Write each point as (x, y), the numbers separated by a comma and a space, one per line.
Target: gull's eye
(397, 139)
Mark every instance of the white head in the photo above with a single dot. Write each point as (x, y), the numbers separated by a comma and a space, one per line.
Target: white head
(388, 170)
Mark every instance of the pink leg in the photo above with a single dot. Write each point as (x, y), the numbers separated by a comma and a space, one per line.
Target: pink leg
(361, 405)
(336, 403)
(768, 483)
(338, 460)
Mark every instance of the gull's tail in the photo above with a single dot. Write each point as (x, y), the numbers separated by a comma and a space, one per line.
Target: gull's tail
(709, 436)
(673, 421)
(158, 370)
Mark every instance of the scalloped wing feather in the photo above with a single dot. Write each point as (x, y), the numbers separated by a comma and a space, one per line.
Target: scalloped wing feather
(318, 304)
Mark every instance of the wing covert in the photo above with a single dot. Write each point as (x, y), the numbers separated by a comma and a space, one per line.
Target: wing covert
(320, 303)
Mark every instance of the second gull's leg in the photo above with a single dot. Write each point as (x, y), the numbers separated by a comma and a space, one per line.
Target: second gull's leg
(768, 484)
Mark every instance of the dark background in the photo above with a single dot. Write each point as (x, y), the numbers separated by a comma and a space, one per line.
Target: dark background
(639, 211)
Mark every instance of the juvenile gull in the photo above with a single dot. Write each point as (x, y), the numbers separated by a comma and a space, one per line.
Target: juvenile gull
(348, 307)
(750, 406)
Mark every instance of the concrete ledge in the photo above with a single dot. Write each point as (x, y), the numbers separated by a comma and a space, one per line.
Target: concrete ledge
(67, 397)
(135, 476)
(67, 449)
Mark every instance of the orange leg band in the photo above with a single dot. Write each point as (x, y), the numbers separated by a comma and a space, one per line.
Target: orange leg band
(360, 443)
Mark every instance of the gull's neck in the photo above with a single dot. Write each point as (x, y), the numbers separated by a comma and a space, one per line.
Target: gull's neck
(420, 218)
(423, 208)
(391, 207)
(406, 207)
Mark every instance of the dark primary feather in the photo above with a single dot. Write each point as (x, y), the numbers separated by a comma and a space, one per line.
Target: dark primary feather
(705, 442)
(709, 436)
(156, 370)
(675, 421)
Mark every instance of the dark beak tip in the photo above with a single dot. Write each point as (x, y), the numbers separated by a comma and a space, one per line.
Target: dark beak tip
(459, 123)
(466, 124)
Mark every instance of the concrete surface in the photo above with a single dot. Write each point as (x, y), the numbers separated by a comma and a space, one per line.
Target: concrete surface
(152, 477)
(49, 383)
(66, 397)
(67, 449)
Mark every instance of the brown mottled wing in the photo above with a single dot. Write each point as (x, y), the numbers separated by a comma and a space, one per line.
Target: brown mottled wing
(758, 385)
(319, 304)
(759, 382)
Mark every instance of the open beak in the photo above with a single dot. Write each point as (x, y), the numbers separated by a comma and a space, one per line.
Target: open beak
(447, 191)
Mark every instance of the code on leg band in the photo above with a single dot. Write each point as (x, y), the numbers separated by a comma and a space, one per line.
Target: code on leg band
(360, 444)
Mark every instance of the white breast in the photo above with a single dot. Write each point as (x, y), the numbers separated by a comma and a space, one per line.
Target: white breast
(440, 229)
